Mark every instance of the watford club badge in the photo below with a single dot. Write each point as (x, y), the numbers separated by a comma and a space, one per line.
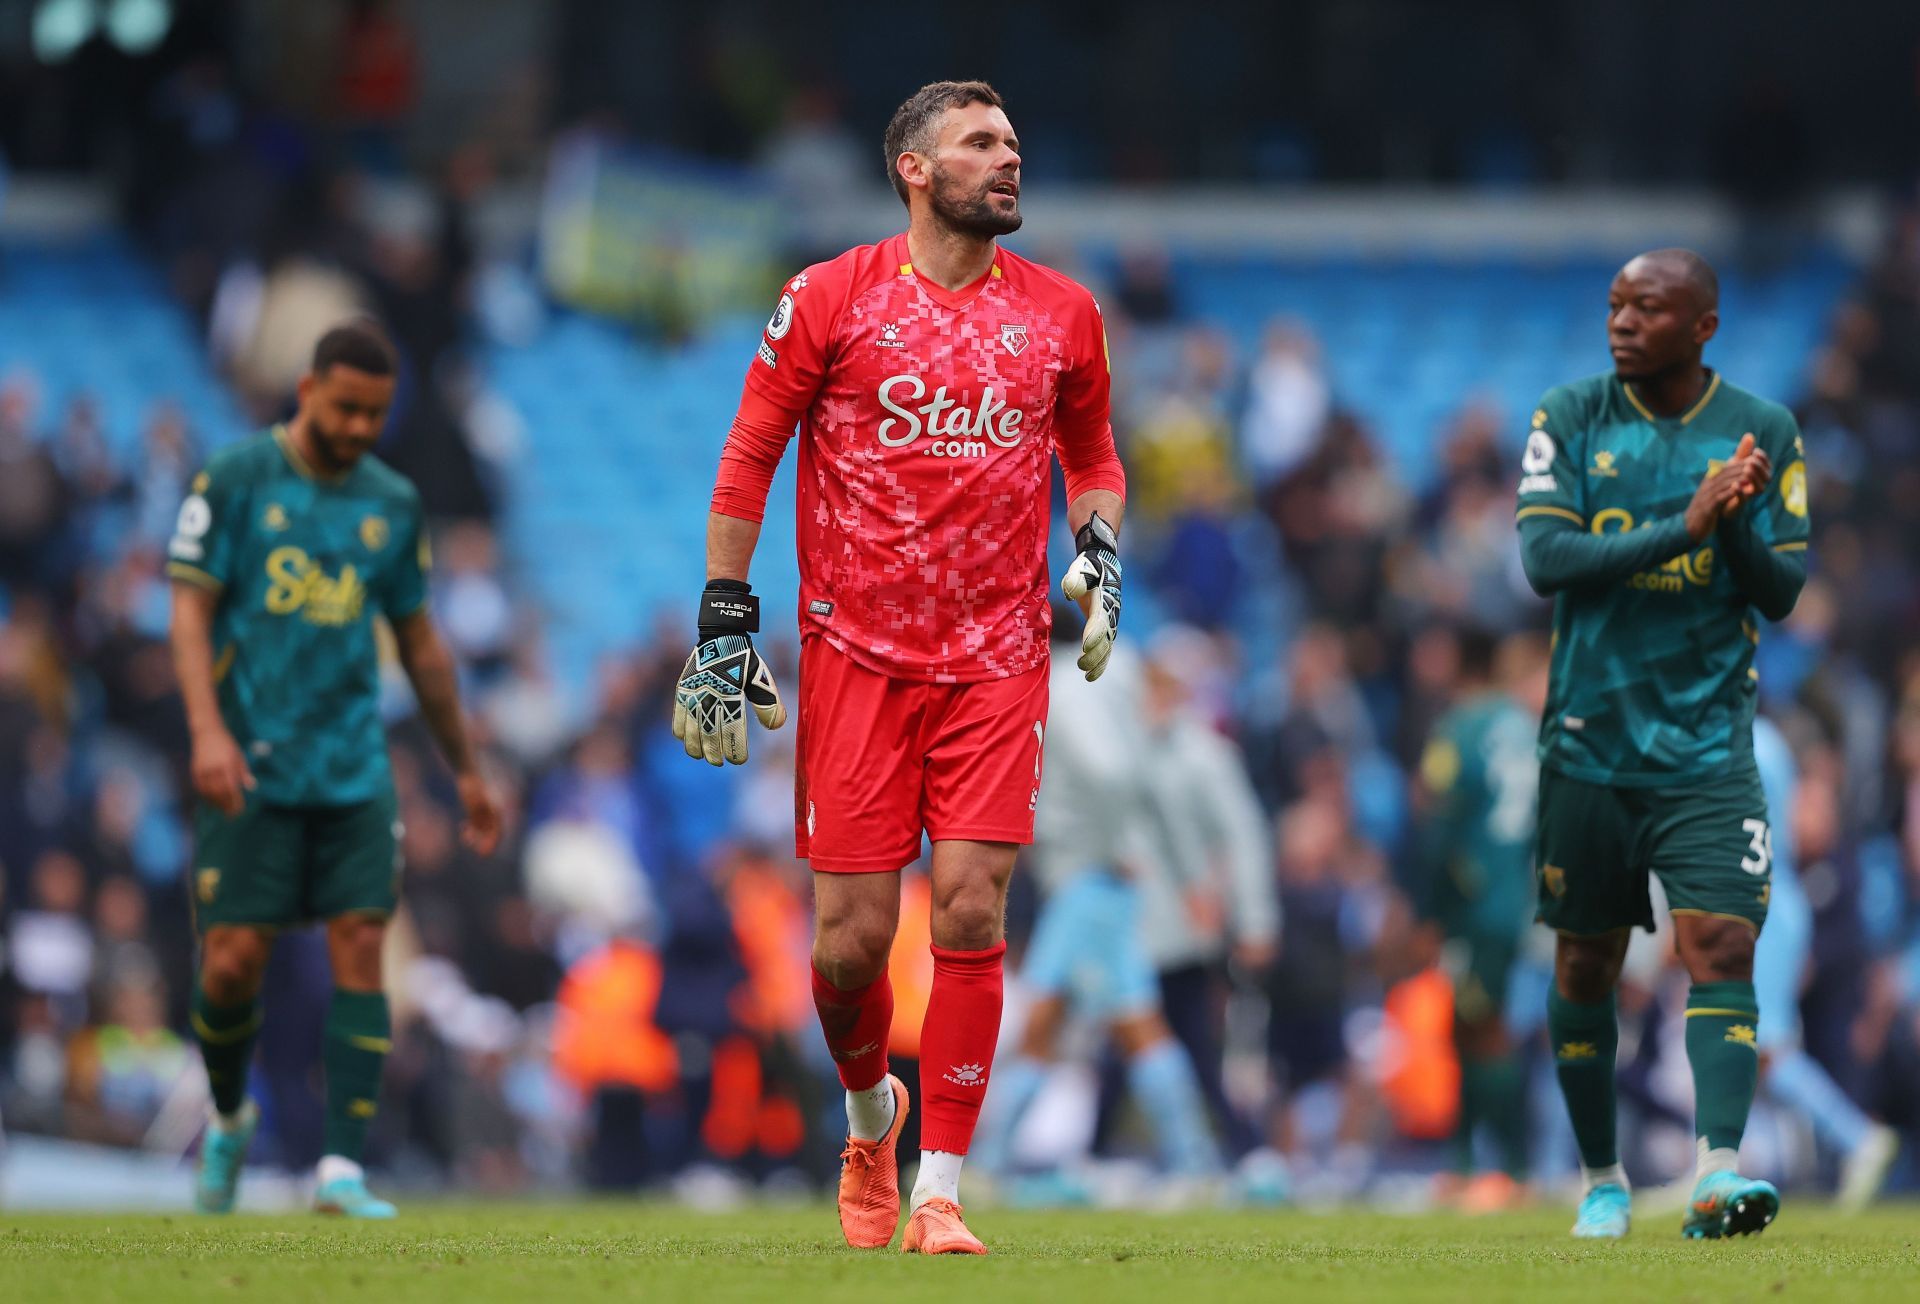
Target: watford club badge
(1014, 336)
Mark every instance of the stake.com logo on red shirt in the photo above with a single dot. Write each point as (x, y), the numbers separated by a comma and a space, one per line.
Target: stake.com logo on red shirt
(964, 424)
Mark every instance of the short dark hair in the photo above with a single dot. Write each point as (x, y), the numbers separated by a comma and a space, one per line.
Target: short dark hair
(1696, 271)
(360, 344)
(912, 125)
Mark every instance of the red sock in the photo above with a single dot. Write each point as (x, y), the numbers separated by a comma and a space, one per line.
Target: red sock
(856, 1024)
(956, 1044)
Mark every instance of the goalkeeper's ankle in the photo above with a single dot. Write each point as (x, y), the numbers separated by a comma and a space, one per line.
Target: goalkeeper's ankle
(1610, 1175)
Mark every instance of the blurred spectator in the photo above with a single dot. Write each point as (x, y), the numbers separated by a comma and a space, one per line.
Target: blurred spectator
(608, 1046)
(377, 80)
(121, 1070)
(525, 710)
(1180, 436)
(1287, 405)
(1320, 712)
(1326, 875)
(469, 599)
(167, 459)
(1198, 567)
(33, 495)
(815, 162)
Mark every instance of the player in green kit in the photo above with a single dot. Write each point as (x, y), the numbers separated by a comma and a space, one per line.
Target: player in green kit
(288, 547)
(1650, 508)
(1473, 884)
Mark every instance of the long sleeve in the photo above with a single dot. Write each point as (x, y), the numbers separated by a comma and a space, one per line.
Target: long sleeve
(782, 381)
(1765, 543)
(1082, 420)
(1769, 577)
(751, 455)
(1558, 554)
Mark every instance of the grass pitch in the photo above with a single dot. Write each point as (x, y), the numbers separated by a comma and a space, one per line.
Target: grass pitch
(586, 1252)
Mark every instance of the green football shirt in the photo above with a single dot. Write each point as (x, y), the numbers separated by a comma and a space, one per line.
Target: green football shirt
(302, 564)
(1480, 778)
(1653, 635)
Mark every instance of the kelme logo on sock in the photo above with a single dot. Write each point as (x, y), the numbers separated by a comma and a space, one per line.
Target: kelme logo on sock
(1578, 1050)
(1741, 1034)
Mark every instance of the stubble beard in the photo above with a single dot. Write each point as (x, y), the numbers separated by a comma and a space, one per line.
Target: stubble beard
(339, 453)
(971, 215)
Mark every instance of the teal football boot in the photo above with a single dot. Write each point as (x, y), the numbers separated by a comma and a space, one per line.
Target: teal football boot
(349, 1198)
(1727, 1204)
(1605, 1213)
(223, 1153)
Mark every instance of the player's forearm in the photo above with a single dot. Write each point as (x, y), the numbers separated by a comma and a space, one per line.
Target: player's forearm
(436, 686)
(755, 443)
(730, 544)
(1558, 555)
(190, 634)
(1109, 504)
(1769, 577)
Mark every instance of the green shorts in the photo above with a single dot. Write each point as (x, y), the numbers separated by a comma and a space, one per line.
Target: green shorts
(282, 866)
(1710, 843)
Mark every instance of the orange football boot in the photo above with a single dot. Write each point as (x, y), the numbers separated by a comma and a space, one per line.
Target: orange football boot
(935, 1228)
(870, 1181)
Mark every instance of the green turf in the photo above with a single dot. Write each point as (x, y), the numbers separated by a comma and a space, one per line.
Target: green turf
(474, 1253)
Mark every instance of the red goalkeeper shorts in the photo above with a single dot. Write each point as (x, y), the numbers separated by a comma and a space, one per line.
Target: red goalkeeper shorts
(880, 760)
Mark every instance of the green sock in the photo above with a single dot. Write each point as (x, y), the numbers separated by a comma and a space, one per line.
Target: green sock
(1502, 1091)
(226, 1034)
(1721, 1020)
(356, 1048)
(1470, 1111)
(1585, 1039)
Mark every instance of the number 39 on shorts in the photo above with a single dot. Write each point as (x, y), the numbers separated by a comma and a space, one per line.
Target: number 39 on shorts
(1759, 857)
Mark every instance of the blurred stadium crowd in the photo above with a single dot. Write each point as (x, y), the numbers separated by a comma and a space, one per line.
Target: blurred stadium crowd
(617, 997)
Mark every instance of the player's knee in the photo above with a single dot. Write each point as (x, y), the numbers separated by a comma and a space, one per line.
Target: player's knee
(354, 943)
(969, 916)
(1585, 974)
(231, 969)
(1719, 950)
(853, 951)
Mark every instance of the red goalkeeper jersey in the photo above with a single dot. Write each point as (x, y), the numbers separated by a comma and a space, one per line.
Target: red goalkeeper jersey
(927, 418)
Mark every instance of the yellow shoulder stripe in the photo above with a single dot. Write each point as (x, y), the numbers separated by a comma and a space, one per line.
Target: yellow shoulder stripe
(1570, 515)
(193, 575)
(1792, 545)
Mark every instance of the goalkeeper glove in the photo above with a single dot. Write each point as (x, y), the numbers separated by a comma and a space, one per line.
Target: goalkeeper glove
(723, 677)
(1093, 581)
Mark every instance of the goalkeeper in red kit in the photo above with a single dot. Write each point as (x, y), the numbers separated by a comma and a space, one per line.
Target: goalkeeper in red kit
(932, 377)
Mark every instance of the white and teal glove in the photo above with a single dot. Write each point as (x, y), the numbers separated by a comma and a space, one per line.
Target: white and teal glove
(1093, 581)
(723, 677)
